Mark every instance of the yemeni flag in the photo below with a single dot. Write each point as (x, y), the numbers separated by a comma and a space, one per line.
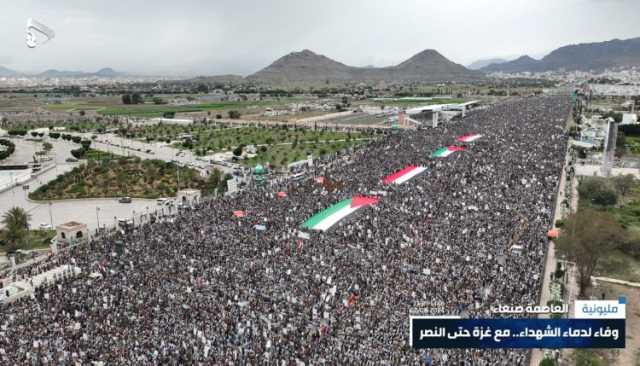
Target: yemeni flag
(403, 175)
(323, 220)
(446, 151)
(468, 137)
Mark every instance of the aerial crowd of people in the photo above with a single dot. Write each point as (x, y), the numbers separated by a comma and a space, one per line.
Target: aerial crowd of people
(212, 288)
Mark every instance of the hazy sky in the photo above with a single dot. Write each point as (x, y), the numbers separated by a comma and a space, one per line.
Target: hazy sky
(192, 37)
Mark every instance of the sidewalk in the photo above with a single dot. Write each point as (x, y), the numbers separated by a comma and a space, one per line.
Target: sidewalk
(550, 264)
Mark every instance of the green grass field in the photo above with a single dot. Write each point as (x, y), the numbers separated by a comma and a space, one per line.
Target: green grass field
(113, 106)
(153, 110)
(634, 144)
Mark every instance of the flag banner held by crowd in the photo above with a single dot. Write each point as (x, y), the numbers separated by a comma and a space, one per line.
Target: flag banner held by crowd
(403, 175)
(439, 332)
(443, 152)
(281, 194)
(238, 213)
(468, 137)
(326, 219)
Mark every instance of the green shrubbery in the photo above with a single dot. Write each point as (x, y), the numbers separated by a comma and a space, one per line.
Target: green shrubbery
(126, 177)
(10, 148)
(598, 191)
(548, 362)
(587, 357)
(17, 132)
(81, 152)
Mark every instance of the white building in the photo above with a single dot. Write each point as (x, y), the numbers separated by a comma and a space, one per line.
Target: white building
(71, 232)
(629, 119)
(188, 196)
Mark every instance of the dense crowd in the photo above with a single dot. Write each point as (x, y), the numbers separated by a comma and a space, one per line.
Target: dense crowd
(208, 288)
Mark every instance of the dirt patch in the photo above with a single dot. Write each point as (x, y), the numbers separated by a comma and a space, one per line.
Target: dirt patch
(629, 356)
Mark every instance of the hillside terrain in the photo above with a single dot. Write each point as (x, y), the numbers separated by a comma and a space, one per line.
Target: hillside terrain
(596, 56)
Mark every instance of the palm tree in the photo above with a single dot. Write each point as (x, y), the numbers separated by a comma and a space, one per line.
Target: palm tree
(16, 225)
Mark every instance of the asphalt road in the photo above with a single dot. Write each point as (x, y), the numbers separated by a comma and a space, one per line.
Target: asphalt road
(59, 212)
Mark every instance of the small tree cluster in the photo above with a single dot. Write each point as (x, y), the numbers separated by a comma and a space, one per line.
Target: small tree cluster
(134, 98)
(598, 191)
(8, 150)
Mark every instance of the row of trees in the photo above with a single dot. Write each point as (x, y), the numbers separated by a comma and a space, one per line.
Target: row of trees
(77, 153)
(17, 132)
(66, 137)
(134, 98)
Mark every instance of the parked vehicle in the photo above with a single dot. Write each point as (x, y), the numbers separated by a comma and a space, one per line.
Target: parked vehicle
(125, 200)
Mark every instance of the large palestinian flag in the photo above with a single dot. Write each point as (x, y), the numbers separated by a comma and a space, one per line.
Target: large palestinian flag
(446, 151)
(325, 219)
(403, 175)
(468, 137)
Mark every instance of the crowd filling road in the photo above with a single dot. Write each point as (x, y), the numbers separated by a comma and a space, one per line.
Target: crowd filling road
(208, 288)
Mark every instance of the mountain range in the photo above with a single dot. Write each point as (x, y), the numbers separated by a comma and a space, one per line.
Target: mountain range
(596, 56)
(105, 73)
(477, 65)
(5, 72)
(52, 73)
(310, 68)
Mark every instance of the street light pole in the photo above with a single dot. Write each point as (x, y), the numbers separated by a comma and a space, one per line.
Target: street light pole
(178, 170)
(97, 217)
(50, 215)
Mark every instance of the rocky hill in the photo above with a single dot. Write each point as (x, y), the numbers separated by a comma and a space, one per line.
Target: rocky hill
(309, 67)
(522, 63)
